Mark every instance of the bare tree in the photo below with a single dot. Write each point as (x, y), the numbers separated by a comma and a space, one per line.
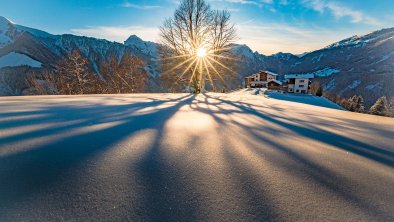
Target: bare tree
(74, 75)
(44, 84)
(125, 76)
(71, 75)
(314, 87)
(193, 31)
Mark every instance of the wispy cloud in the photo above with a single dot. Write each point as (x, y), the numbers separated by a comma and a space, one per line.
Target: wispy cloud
(118, 33)
(340, 11)
(270, 38)
(267, 38)
(137, 6)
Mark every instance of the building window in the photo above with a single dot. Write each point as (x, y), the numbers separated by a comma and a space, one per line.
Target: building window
(301, 86)
(302, 80)
(297, 90)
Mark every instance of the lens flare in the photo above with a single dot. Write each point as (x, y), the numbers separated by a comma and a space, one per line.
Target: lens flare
(201, 63)
(201, 52)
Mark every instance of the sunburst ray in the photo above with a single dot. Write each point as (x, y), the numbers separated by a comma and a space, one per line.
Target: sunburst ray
(208, 74)
(219, 63)
(179, 65)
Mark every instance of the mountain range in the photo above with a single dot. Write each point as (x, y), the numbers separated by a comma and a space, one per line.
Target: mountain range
(359, 65)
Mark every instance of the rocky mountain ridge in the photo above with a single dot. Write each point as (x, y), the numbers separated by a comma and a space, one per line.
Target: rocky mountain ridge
(357, 65)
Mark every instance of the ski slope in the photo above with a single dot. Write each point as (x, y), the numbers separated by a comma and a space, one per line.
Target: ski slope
(182, 157)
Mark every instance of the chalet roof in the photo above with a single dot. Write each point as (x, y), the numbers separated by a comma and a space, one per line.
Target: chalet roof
(299, 76)
(276, 81)
(268, 72)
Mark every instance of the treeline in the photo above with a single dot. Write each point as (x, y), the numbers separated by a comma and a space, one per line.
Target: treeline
(382, 106)
(73, 76)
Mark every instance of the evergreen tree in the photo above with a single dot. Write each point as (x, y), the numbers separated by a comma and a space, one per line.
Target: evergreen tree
(350, 103)
(391, 107)
(355, 104)
(380, 107)
(359, 107)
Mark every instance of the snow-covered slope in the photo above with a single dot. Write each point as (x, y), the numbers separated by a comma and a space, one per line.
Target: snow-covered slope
(363, 40)
(16, 59)
(4, 27)
(48, 48)
(149, 48)
(367, 60)
(180, 157)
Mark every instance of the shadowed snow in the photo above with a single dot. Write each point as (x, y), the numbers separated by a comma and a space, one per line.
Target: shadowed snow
(182, 157)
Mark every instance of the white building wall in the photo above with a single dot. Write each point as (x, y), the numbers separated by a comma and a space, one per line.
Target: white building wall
(256, 77)
(301, 85)
(290, 87)
(270, 78)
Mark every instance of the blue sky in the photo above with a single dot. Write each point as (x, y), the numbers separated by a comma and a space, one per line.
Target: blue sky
(267, 26)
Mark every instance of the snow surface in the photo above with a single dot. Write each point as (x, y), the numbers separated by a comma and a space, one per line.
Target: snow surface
(303, 75)
(330, 85)
(181, 157)
(146, 47)
(328, 71)
(4, 39)
(14, 59)
(354, 84)
(35, 32)
(324, 72)
(385, 57)
(358, 41)
(375, 86)
(318, 58)
(244, 51)
(303, 98)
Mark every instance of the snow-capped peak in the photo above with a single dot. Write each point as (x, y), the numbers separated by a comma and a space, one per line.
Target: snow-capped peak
(4, 24)
(4, 27)
(146, 47)
(243, 51)
(133, 40)
(362, 40)
(4, 20)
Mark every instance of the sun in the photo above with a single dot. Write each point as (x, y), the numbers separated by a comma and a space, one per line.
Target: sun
(201, 52)
(203, 64)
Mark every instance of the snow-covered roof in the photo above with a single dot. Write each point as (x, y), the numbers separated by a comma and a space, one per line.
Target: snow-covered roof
(251, 76)
(277, 81)
(299, 76)
(268, 72)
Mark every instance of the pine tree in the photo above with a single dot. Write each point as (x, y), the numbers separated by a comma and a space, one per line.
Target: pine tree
(380, 107)
(355, 104)
(350, 104)
(344, 103)
(359, 107)
(391, 107)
